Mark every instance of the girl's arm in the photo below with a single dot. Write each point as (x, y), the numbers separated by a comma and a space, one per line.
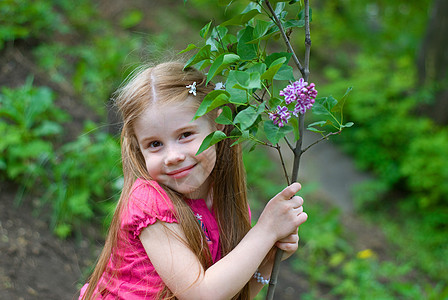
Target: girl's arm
(183, 274)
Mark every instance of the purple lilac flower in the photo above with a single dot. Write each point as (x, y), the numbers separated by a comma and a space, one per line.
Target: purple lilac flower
(281, 116)
(300, 92)
(306, 99)
(289, 94)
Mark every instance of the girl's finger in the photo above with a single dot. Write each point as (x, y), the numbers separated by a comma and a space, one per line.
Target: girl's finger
(302, 218)
(289, 191)
(298, 210)
(297, 201)
(292, 238)
(287, 246)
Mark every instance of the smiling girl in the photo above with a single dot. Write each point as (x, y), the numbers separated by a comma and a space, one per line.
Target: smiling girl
(181, 229)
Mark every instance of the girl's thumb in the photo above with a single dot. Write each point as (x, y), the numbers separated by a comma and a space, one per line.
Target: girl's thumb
(290, 191)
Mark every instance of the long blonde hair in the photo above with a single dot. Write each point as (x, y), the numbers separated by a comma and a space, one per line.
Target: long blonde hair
(167, 83)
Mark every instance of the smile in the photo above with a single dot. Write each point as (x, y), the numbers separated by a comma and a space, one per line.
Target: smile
(182, 172)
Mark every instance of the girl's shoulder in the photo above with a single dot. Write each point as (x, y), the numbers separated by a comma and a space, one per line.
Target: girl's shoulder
(147, 203)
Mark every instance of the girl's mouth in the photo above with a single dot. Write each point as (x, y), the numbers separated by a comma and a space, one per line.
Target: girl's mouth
(182, 172)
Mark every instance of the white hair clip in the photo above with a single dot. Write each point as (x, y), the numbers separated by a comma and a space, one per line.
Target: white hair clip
(192, 88)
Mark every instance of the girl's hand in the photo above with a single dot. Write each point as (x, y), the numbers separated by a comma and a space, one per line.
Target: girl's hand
(283, 215)
(289, 245)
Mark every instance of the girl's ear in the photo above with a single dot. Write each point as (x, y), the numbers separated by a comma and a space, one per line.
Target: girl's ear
(220, 127)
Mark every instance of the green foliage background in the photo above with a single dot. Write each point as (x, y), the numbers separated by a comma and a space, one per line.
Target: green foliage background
(370, 45)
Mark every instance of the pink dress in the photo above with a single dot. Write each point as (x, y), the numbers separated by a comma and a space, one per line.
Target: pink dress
(136, 276)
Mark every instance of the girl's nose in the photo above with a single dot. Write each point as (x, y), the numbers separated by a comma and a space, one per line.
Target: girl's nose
(174, 156)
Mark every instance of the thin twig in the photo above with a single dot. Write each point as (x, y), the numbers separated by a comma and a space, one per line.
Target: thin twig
(306, 72)
(283, 164)
(289, 144)
(285, 38)
(321, 139)
(257, 97)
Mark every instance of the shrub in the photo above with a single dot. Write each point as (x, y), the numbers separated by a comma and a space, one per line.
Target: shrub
(27, 19)
(30, 122)
(85, 180)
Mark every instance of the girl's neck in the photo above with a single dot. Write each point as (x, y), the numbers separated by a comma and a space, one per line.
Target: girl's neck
(209, 201)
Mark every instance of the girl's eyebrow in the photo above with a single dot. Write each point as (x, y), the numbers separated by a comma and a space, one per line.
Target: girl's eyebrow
(189, 126)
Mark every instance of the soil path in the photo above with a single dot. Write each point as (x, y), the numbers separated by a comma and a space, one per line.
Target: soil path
(333, 170)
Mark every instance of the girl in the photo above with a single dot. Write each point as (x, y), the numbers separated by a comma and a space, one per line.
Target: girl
(182, 225)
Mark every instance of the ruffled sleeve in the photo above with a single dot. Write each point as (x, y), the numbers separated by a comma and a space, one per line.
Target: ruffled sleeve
(147, 203)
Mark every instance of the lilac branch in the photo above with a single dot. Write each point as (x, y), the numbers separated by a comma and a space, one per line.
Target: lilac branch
(285, 37)
(289, 144)
(283, 163)
(298, 148)
(321, 139)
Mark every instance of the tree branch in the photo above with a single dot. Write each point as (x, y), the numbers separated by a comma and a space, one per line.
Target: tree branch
(285, 38)
(306, 72)
(289, 144)
(298, 149)
(283, 164)
(321, 139)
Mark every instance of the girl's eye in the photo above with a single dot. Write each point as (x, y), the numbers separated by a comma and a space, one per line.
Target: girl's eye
(185, 135)
(155, 144)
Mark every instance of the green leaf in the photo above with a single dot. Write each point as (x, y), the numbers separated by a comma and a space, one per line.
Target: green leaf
(348, 124)
(274, 133)
(274, 56)
(246, 51)
(320, 124)
(225, 117)
(273, 69)
(63, 230)
(79, 203)
(222, 62)
(189, 48)
(210, 140)
(257, 68)
(285, 73)
(324, 105)
(315, 130)
(131, 19)
(274, 102)
(213, 100)
(279, 8)
(237, 96)
(247, 81)
(261, 28)
(295, 125)
(244, 137)
(339, 107)
(293, 24)
(204, 31)
(47, 128)
(248, 116)
(216, 38)
(203, 54)
(242, 18)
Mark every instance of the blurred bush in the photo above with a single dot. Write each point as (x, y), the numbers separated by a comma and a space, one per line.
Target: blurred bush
(79, 181)
(30, 123)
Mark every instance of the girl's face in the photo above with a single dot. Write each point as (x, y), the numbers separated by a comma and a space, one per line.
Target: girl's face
(169, 140)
